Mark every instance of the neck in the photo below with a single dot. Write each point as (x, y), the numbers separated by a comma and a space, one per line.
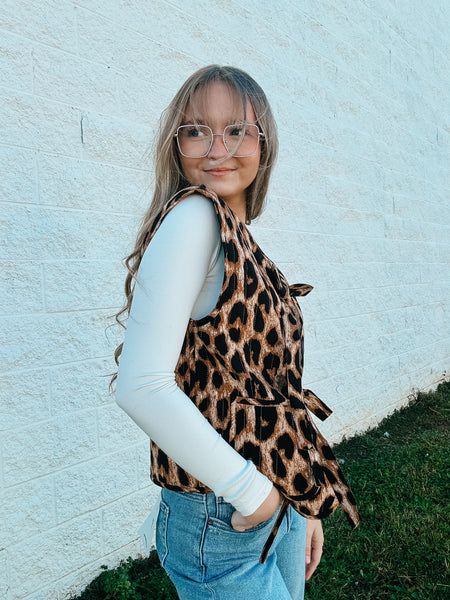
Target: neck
(238, 207)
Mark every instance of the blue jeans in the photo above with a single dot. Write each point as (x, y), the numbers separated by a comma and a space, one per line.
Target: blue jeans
(207, 559)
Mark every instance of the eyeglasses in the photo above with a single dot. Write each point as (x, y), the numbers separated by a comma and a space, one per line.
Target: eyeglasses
(239, 139)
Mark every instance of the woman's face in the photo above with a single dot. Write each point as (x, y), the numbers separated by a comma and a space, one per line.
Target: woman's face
(218, 107)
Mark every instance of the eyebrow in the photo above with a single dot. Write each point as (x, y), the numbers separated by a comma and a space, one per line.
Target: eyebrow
(201, 121)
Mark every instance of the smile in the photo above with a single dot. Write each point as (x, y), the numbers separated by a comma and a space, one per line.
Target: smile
(218, 172)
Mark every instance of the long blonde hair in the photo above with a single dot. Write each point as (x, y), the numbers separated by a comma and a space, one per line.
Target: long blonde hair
(169, 177)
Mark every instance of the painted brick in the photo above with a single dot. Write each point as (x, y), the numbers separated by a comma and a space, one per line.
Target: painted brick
(24, 399)
(142, 16)
(50, 446)
(122, 519)
(198, 39)
(319, 217)
(50, 21)
(27, 510)
(84, 333)
(117, 430)
(72, 183)
(22, 284)
(71, 80)
(321, 334)
(4, 587)
(80, 285)
(95, 483)
(139, 15)
(17, 175)
(292, 246)
(15, 62)
(81, 385)
(47, 593)
(47, 556)
(141, 100)
(123, 49)
(100, 140)
(51, 234)
(33, 122)
(143, 465)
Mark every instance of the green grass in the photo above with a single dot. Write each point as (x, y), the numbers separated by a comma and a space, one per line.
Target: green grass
(138, 579)
(400, 550)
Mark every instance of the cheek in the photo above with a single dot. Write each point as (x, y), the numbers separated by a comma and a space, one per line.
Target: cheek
(188, 166)
(253, 166)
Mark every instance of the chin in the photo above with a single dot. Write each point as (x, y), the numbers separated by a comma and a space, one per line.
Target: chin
(222, 189)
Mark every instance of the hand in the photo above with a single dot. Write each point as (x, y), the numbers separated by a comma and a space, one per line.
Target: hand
(262, 513)
(314, 544)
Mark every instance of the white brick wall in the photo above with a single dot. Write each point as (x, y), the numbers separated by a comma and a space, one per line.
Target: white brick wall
(359, 207)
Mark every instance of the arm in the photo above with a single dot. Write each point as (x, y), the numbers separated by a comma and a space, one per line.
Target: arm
(170, 277)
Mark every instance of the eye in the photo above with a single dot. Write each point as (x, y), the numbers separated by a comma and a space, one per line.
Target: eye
(194, 131)
(236, 130)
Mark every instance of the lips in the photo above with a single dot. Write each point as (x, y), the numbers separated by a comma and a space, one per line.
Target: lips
(218, 172)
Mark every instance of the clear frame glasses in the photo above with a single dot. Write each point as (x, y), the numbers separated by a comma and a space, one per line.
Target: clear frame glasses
(239, 139)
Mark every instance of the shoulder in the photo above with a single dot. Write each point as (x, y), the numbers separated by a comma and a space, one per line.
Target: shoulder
(193, 218)
(191, 227)
(193, 208)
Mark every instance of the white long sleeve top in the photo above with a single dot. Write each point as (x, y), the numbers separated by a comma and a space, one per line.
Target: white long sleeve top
(180, 277)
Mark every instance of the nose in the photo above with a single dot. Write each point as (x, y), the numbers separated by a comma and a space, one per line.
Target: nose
(218, 149)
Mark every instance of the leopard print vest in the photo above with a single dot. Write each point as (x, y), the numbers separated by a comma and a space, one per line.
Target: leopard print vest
(242, 365)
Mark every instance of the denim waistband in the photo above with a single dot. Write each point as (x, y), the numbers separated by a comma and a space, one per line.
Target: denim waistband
(208, 500)
(211, 502)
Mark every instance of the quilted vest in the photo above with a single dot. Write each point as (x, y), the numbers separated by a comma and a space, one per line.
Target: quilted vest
(242, 364)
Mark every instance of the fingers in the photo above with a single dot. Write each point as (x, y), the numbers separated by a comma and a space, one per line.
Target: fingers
(316, 555)
(238, 521)
(314, 545)
(308, 544)
(266, 510)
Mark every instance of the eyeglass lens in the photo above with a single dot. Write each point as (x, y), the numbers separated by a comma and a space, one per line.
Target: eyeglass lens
(240, 139)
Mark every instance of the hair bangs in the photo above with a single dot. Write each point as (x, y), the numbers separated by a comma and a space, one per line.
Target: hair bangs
(197, 101)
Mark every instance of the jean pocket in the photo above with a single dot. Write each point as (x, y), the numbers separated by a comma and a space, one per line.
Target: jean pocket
(225, 525)
(161, 532)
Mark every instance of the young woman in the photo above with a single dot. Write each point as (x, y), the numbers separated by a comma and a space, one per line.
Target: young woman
(204, 344)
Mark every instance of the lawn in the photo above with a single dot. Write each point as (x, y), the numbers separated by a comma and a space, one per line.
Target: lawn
(399, 473)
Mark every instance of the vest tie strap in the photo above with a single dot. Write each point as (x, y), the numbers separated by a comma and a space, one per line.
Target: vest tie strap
(300, 289)
(273, 533)
(315, 405)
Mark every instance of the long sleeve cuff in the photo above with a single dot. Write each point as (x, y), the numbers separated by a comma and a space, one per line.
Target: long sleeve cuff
(247, 491)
